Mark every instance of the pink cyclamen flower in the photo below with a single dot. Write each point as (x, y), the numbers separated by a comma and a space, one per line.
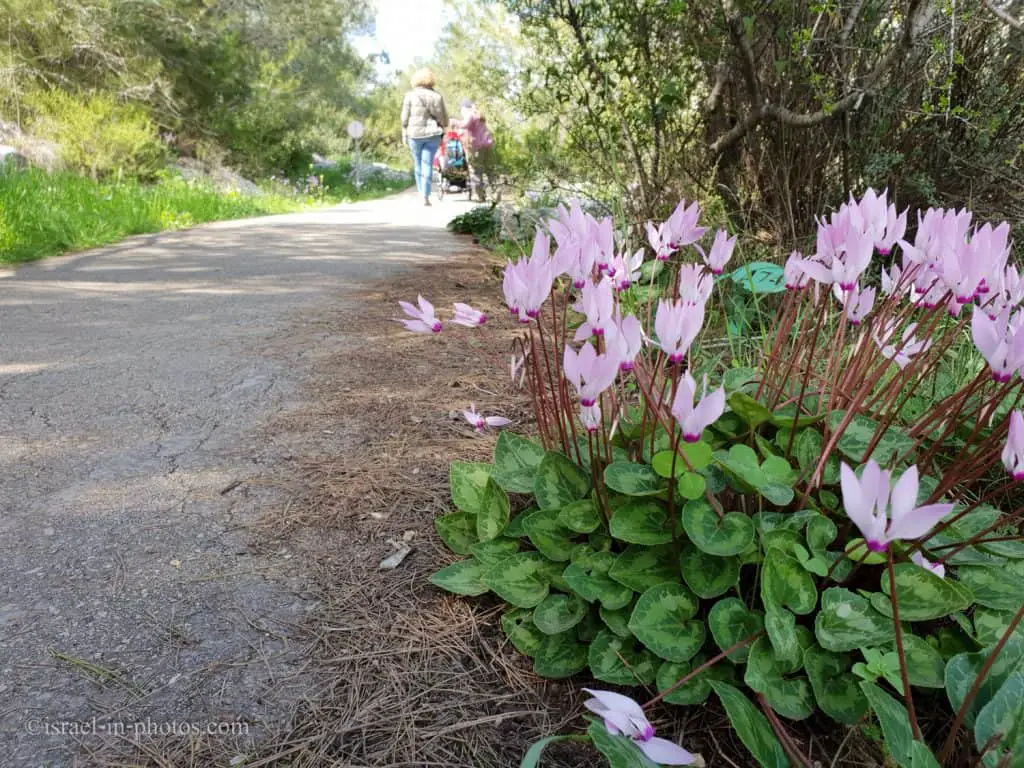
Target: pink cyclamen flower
(796, 278)
(423, 318)
(694, 419)
(857, 303)
(660, 239)
(467, 316)
(1013, 453)
(937, 568)
(695, 284)
(626, 338)
(591, 417)
(624, 717)
(1000, 341)
(479, 422)
(902, 354)
(682, 225)
(884, 517)
(598, 304)
(590, 373)
(625, 270)
(720, 253)
(677, 324)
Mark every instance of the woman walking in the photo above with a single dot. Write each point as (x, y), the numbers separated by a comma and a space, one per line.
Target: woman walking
(479, 148)
(424, 120)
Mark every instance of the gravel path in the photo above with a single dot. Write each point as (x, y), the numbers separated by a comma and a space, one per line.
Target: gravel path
(136, 383)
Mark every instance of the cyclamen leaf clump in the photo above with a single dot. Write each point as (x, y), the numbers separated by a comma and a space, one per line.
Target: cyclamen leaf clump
(816, 530)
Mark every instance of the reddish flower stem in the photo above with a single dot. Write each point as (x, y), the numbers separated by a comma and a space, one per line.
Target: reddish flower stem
(908, 696)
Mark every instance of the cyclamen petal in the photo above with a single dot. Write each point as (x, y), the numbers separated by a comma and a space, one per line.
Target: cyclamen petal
(664, 752)
(423, 320)
(1013, 452)
(937, 568)
(882, 519)
(467, 316)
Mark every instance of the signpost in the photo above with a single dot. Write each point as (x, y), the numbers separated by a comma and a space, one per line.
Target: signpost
(355, 132)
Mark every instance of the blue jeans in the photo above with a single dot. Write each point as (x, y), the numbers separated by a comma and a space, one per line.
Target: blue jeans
(423, 151)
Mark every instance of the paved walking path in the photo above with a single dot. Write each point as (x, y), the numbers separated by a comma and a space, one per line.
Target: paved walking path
(134, 383)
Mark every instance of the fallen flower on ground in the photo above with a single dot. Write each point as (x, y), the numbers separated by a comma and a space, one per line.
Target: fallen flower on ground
(479, 423)
(423, 318)
(624, 717)
(467, 316)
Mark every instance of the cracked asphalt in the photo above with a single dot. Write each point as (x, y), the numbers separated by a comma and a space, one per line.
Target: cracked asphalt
(137, 385)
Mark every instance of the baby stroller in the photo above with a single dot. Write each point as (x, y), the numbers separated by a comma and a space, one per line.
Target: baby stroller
(451, 167)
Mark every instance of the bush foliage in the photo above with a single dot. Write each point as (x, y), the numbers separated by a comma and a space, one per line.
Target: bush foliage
(828, 531)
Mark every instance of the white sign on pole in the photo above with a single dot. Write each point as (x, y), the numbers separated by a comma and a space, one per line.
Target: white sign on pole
(355, 131)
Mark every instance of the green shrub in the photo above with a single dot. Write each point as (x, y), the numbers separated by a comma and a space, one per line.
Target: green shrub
(97, 135)
(827, 532)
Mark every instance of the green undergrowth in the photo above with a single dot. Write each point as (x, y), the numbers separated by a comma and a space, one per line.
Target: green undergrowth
(47, 214)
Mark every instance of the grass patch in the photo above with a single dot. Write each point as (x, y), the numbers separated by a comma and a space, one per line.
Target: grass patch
(45, 214)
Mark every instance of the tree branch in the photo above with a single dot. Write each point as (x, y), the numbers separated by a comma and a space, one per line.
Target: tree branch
(1004, 15)
(918, 15)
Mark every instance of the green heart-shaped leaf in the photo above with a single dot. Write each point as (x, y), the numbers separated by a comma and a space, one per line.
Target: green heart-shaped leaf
(549, 536)
(633, 479)
(730, 622)
(642, 521)
(925, 665)
(723, 537)
(617, 621)
(923, 595)
(588, 578)
(690, 485)
(1003, 715)
(619, 661)
(780, 625)
(468, 481)
(741, 462)
(748, 409)
(999, 588)
(662, 620)
(516, 459)
(790, 697)
(490, 552)
(837, 691)
(846, 622)
(521, 631)
(963, 669)
(461, 578)
(859, 433)
(708, 576)
(516, 528)
(559, 613)
(990, 625)
(519, 580)
(786, 584)
(738, 378)
(641, 568)
(580, 516)
(694, 457)
(560, 656)
(559, 482)
(696, 689)
(494, 511)
(458, 531)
